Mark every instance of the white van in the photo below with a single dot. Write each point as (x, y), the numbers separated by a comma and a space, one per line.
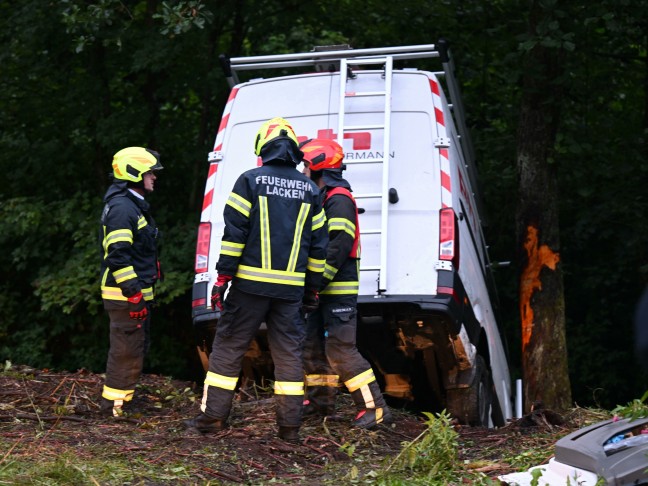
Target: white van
(426, 319)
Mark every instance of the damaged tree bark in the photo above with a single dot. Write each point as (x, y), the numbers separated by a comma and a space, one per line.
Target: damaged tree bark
(542, 305)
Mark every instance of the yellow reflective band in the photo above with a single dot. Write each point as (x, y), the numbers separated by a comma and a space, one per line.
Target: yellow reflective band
(289, 387)
(115, 293)
(322, 380)
(299, 230)
(124, 274)
(118, 236)
(221, 381)
(115, 394)
(329, 271)
(360, 380)
(318, 220)
(341, 288)
(105, 277)
(264, 223)
(232, 249)
(271, 276)
(239, 203)
(315, 265)
(367, 397)
(141, 222)
(342, 224)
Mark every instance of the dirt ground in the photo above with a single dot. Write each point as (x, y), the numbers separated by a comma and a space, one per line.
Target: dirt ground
(44, 414)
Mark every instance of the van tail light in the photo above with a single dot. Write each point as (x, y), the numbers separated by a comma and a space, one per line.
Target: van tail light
(449, 237)
(202, 247)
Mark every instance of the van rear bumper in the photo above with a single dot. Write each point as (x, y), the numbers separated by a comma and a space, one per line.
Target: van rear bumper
(449, 306)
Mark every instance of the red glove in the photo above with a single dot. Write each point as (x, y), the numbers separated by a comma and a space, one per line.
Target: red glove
(137, 307)
(218, 291)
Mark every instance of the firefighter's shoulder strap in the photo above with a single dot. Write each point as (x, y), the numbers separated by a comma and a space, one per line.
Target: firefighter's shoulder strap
(355, 249)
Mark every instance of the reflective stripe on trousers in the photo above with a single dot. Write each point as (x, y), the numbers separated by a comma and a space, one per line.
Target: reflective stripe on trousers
(242, 315)
(129, 343)
(330, 349)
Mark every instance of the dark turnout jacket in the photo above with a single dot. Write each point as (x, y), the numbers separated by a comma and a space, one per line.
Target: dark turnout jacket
(343, 255)
(129, 245)
(274, 242)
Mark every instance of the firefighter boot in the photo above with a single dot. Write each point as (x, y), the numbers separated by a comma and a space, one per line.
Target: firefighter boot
(370, 417)
(371, 403)
(205, 424)
(110, 408)
(289, 434)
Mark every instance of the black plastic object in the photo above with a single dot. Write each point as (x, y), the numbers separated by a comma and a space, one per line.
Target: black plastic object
(393, 195)
(617, 451)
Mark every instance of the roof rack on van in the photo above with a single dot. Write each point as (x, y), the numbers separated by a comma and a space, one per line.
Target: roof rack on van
(232, 66)
(327, 58)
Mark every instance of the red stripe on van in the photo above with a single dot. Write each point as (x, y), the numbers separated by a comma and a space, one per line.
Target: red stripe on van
(445, 181)
(223, 123)
(444, 153)
(209, 195)
(233, 94)
(207, 200)
(438, 114)
(434, 87)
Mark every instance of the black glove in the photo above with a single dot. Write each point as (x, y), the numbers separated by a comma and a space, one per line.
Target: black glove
(137, 307)
(218, 291)
(310, 302)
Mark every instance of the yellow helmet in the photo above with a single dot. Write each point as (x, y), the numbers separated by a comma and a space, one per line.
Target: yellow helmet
(131, 163)
(275, 128)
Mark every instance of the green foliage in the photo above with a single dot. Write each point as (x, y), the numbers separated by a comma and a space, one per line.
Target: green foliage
(182, 17)
(636, 409)
(431, 458)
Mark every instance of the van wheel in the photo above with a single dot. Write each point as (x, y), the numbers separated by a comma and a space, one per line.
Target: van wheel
(472, 405)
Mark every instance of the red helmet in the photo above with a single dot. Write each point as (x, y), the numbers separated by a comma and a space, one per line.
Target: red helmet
(322, 153)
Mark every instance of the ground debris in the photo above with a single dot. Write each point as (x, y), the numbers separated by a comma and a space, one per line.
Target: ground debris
(44, 413)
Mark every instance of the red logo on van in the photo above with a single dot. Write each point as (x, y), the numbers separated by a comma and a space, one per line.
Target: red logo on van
(361, 140)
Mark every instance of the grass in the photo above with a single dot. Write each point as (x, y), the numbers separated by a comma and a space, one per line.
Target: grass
(432, 458)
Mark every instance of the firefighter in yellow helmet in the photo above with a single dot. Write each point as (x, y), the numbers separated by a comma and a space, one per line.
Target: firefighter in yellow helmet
(273, 247)
(330, 352)
(129, 270)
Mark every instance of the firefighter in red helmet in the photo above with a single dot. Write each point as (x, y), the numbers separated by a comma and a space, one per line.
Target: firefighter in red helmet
(273, 247)
(330, 352)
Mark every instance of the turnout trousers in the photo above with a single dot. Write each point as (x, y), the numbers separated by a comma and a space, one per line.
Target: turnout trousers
(331, 355)
(241, 318)
(129, 344)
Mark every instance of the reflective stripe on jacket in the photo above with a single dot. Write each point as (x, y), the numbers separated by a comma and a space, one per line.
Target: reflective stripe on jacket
(129, 246)
(343, 255)
(275, 237)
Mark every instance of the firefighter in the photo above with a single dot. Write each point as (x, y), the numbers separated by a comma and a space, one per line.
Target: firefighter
(273, 247)
(129, 270)
(330, 352)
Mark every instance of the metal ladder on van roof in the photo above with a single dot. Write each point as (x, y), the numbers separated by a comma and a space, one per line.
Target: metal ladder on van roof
(345, 70)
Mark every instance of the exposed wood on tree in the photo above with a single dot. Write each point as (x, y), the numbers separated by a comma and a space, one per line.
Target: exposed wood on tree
(537, 259)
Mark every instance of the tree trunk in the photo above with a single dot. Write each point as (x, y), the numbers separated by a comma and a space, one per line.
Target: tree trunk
(542, 305)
